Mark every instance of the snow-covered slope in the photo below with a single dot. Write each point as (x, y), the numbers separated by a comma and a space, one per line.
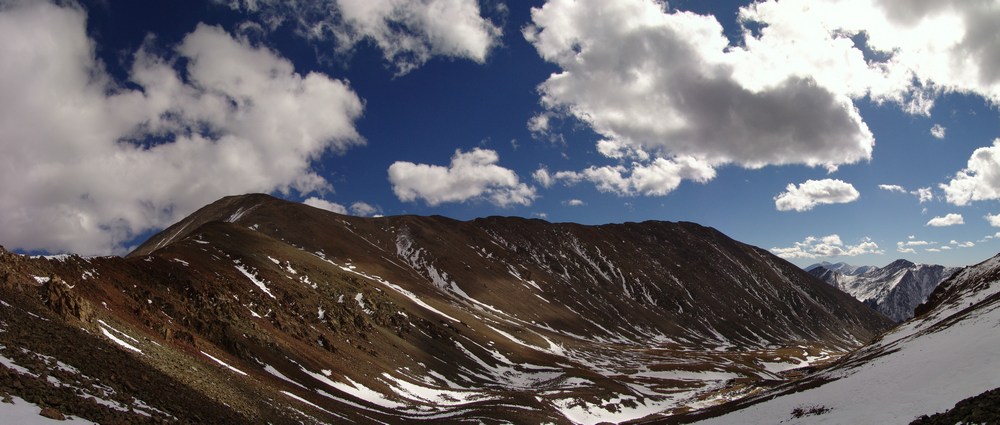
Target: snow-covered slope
(894, 290)
(924, 366)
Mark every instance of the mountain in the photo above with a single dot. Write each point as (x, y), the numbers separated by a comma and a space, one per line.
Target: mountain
(255, 309)
(945, 355)
(842, 268)
(894, 290)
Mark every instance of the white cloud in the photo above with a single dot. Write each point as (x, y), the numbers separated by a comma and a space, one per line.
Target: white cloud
(924, 194)
(906, 247)
(922, 49)
(541, 128)
(655, 178)
(364, 209)
(323, 204)
(968, 244)
(827, 246)
(664, 83)
(574, 203)
(947, 220)
(98, 162)
(892, 188)
(408, 33)
(543, 177)
(980, 180)
(993, 219)
(617, 150)
(945, 248)
(471, 175)
(815, 192)
(670, 84)
(938, 131)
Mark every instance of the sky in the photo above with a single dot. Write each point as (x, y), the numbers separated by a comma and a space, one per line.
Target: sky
(857, 130)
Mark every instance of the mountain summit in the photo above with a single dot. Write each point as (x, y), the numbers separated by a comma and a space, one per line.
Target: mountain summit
(334, 318)
(894, 290)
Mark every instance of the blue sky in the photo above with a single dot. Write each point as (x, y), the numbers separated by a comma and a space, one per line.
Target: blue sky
(122, 117)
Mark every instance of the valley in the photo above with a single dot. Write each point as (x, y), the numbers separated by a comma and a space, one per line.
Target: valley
(263, 309)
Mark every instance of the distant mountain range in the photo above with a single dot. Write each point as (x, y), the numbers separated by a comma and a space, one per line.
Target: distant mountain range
(894, 290)
(842, 268)
(258, 310)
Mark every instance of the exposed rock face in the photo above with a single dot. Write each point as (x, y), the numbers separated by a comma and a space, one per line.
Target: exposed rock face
(427, 318)
(59, 296)
(894, 290)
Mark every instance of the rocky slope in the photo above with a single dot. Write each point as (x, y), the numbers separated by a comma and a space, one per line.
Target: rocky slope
(255, 309)
(926, 365)
(894, 290)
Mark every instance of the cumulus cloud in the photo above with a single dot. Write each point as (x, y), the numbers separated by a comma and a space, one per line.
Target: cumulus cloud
(408, 33)
(920, 49)
(323, 204)
(98, 162)
(827, 246)
(543, 177)
(993, 219)
(669, 83)
(471, 175)
(902, 248)
(892, 188)
(617, 150)
(938, 131)
(924, 194)
(364, 209)
(663, 83)
(980, 180)
(815, 192)
(574, 203)
(655, 178)
(967, 244)
(946, 220)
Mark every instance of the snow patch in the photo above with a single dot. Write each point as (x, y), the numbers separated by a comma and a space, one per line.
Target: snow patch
(119, 341)
(253, 278)
(224, 364)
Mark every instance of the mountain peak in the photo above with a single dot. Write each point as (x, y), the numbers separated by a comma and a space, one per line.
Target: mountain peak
(231, 209)
(900, 264)
(894, 290)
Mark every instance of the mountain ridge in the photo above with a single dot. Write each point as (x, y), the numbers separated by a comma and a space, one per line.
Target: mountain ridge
(414, 318)
(895, 289)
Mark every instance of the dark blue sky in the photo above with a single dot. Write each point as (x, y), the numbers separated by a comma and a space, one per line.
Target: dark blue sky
(453, 102)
